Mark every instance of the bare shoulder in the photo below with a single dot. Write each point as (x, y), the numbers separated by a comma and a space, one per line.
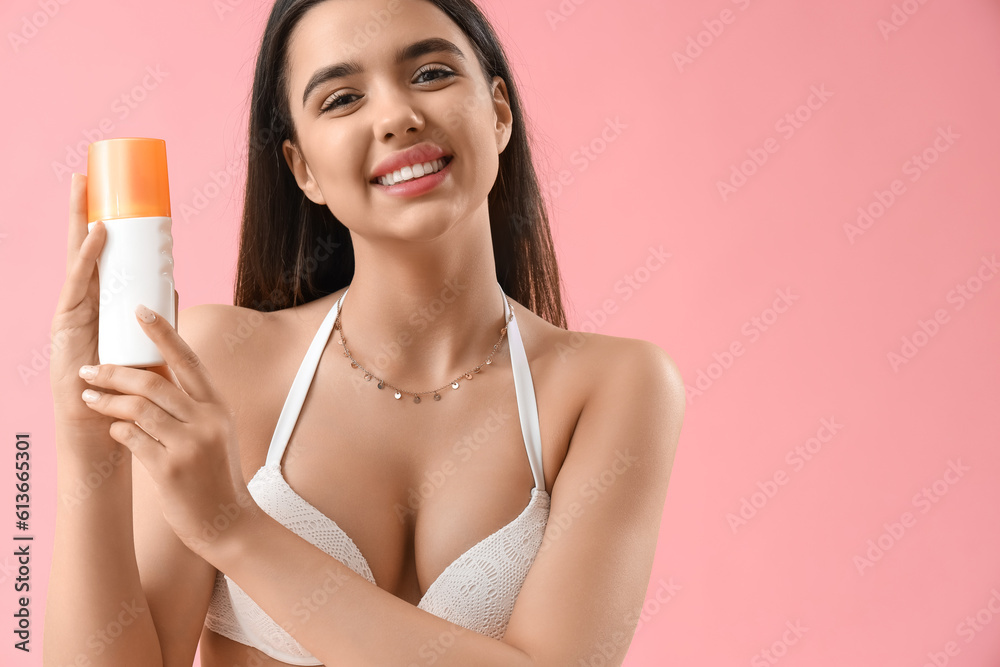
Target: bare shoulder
(621, 368)
(240, 345)
(232, 342)
(635, 379)
(620, 389)
(222, 332)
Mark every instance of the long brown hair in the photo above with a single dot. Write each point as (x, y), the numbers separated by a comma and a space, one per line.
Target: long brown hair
(293, 251)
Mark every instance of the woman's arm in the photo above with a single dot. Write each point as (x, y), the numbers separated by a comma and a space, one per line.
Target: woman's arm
(96, 612)
(584, 590)
(337, 615)
(94, 588)
(124, 590)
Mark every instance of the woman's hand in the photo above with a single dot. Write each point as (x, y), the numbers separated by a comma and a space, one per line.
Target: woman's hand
(75, 322)
(184, 434)
(74, 325)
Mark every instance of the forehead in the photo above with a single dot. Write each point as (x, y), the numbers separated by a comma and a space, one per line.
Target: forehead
(368, 31)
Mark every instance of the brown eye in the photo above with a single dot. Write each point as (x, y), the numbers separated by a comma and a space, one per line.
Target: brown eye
(440, 72)
(335, 101)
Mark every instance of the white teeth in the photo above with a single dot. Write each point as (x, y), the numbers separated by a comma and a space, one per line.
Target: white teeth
(412, 172)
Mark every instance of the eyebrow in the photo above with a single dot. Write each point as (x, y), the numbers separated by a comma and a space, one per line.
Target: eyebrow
(351, 67)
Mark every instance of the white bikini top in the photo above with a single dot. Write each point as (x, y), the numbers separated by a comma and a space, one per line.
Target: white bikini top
(477, 591)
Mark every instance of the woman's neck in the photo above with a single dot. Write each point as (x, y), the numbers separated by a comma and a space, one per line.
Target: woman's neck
(420, 318)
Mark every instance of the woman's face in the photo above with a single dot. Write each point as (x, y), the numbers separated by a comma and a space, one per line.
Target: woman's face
(347, 125)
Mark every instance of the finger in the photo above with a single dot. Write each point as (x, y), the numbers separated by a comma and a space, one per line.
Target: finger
(191, 373)
(77, 217)
(177, 314)
(149, 452)
(164, 370)
(82, 269)
(148, 416)
(151, 387)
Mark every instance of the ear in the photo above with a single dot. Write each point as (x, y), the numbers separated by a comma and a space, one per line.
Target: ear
(501, 107)
(303, 175)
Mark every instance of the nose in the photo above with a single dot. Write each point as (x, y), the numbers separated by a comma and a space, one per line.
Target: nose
(396, 114)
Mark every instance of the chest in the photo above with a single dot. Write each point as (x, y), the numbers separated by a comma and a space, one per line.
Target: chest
(413, 486)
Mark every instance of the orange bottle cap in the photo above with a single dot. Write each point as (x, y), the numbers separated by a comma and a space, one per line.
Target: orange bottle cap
(127, 178)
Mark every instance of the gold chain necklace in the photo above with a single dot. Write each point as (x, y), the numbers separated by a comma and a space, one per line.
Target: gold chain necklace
(468, 375)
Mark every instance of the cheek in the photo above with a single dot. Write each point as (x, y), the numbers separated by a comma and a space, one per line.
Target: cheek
(485, 148)
(337, 165)
(464, 114)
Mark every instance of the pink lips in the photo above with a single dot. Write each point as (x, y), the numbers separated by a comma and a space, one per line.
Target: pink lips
(418, 186)
(422, 152)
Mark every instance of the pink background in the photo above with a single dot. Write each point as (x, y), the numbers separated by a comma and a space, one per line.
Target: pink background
(717, 595)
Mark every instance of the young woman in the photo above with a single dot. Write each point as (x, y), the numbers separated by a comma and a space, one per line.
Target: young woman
(390, 451)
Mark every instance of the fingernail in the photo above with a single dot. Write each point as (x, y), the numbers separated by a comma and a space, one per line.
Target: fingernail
(90, 395)
(145, 314)
(88, 372)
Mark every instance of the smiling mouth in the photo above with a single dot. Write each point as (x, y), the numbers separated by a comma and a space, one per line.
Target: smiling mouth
(446, 159)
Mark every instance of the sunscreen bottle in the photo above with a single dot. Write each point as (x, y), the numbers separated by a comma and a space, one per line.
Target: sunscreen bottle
(127, 189)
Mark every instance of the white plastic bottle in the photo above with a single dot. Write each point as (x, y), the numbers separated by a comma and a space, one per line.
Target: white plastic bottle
(127, 188)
